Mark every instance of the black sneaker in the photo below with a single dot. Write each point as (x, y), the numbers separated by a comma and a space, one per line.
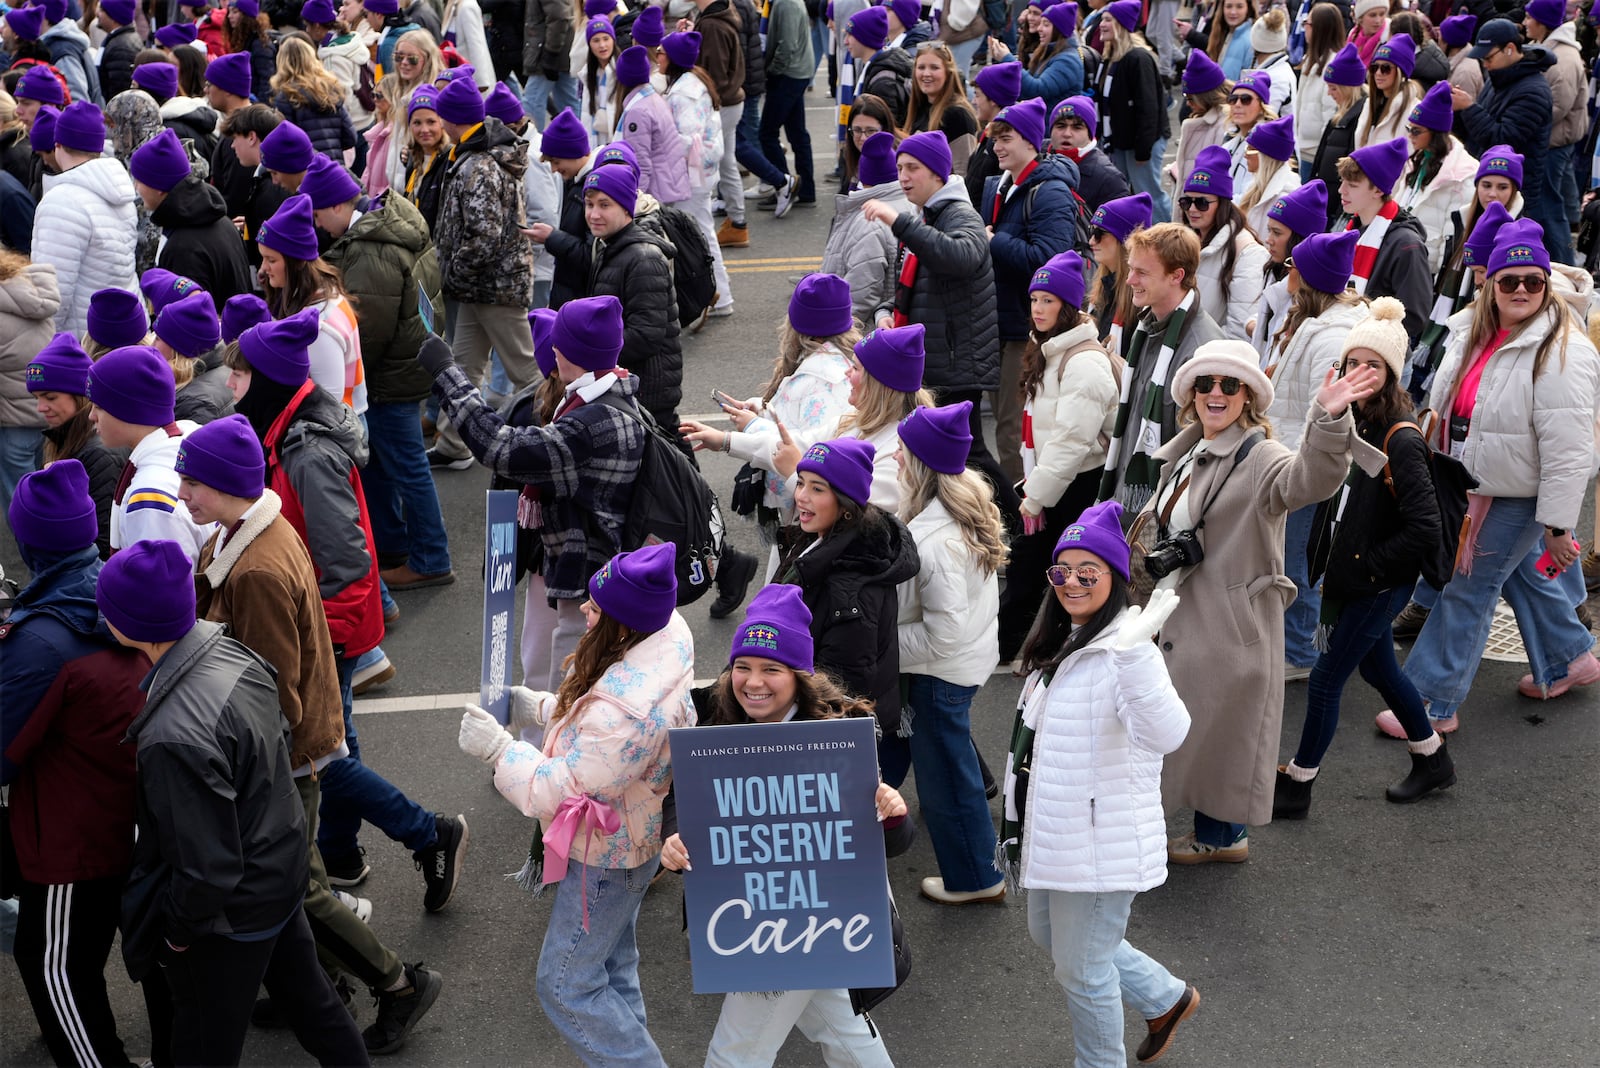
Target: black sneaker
(733, 581)
(398, 1012)
(265, 1015)
(440, 863)
(451, 463)
(348, 870)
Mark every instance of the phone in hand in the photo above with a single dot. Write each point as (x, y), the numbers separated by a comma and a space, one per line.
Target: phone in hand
(1547, 566)
(721, 399)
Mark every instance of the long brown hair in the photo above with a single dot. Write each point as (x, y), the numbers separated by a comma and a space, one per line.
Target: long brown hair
(74, 434)
(1325, 34)
(601, 646)
(817, 695)
(1309, 302)
(1119, 286)
(1217, 40)
(308, 282)
(249, 31)
(1033, 356)
(952, 94)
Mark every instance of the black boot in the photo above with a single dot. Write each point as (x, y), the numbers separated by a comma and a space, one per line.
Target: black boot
(1291, 799)
(1428, 773)
(734, 576)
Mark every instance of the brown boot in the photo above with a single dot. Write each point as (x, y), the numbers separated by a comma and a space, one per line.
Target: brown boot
(1163, 1027)
(1591, 570)
(403, 578)
(733, 235)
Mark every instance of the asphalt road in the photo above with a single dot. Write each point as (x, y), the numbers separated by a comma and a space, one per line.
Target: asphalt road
(1461, 931)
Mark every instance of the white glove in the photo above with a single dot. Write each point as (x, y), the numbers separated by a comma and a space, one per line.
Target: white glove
(530, 708)
(1140, 626)
(482, 736)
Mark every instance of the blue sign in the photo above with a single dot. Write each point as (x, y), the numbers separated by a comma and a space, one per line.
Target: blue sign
(787, 887)
(499, 595)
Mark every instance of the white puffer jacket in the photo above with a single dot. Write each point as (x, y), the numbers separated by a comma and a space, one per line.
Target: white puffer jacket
(1313, 111)
(1094, 821)
(1303, 364)
(861, 251)
(87, 226)
(1246, 285)
(950, 612)
(1440, 200)
(1076, 404)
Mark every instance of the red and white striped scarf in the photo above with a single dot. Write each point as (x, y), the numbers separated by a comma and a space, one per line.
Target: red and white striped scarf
(1367, 246)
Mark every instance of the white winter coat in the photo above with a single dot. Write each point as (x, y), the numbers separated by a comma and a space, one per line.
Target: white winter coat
(345, 60)
(1073, 414)
(1395, 117)
(1284, 85)
(87, 225)
(1313, 111)
(810, 403)
(1245, 288)
(1094, 821)
(862, 252)
(541, 200)
(1285, 180)
(1301, 366)
(1436, 204)
(950, 612)
(464, 18)
(1267, 319)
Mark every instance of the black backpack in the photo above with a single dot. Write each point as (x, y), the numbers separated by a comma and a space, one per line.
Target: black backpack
(692, 277)
(672, 502)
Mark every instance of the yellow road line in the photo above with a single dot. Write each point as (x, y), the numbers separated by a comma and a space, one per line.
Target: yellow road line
(771, 270)
(799, 260)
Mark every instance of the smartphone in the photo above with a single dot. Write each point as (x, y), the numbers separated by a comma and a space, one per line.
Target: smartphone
(1548, 567)
(720, 399)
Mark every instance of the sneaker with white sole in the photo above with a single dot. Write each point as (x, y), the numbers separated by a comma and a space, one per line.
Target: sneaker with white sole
(1190, 850)
(933, 889)
(758, 191)
(361, 906)
(373, 675)
(439, 459)
(785, 199)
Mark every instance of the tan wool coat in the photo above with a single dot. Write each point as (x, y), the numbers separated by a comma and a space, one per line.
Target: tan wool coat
(1224, 643)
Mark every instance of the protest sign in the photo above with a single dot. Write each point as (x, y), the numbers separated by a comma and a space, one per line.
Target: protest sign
(499, 595)
(787, 889)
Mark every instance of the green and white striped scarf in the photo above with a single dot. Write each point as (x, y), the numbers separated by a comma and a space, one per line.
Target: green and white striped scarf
(1139, 481)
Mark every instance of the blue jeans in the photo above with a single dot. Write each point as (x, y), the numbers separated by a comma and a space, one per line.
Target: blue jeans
(1214, 832)
(1300, 619)
(785, 110)
(1086, 935)
(588, 980)
(1146, 177)
(1445, 658)
(1553, 207)
(21, 451)
(401, 498)
(1361, 639)
(747, 142)
(538, 92)
(352, 792)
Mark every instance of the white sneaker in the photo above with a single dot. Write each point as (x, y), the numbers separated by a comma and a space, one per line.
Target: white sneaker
(761, 190)
(361, 906)
(933, 889)
(785, 199)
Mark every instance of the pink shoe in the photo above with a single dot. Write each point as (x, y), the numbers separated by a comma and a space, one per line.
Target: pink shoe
(1388, 724)
(1581, 672)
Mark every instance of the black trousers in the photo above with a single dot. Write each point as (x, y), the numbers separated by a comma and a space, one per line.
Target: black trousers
(1026, 586)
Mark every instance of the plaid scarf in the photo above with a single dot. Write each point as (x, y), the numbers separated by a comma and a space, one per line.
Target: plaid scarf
(1371, 240)
(1139, 481)
(1019, 767)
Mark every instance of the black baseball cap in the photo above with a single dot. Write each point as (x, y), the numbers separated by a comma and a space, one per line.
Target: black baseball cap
(1495, 35)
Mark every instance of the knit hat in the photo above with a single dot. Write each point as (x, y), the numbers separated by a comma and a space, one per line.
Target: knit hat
(1519, 243)
(291, 230)
(1383, 331)
(1433, 111)
(43, 135)
(1225, 358)
(60, 367)
(1210, 175)
(1325, 261)
(1064, 17)
(81, 128)
(1480, 243)
(616, 183)
(1275, 138)
(1098, 531)
(633, 67)
(1551, 13)
(565, 137)
(1201, 74)
(460, 103)
(328, 184)
(869, 26)
(1258, 82)
(52, 509)
(54, 10)
(894, 356)
(1025, 116)
(39, 84)
(650, 28)
(1383, 163)
(117, 318)
(157, 79)
(1347, 68)
(907, 11)
(177, 34)
(1456, 31)
(134, 384)
(639, 589)
(588, 332)
(1303, 210)
(146, 592)
(503, 104)
(161, 287)
(318, 13)
(423, 98)
(280, 349)
(542, 324)
(225, 454)
(1269, 39)
(777, 626)
(1493, 36)
(618, 154)
(594, 8)
(287, 149)
(1500, 162)
(242, 312)
(1001, 82)
(189, 326)
(382, 7)
(877, 164)
(160, 163)
(1364, 6)
(231, 73)
(1062, 276)
(932, 150)
(598, 26)
(1121, 217)
(941, 437)
(820, 305)
(465, 72)
(1126, 12)
(1076, 107)
(1400, 50)
(27, 23)
(248, 8)
(844, 464)
(682, 49)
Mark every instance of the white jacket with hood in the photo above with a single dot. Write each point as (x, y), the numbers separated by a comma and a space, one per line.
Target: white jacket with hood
(87, 226)
(1246, 282)
(1436, 204)
(1073, 413)
(950, 612)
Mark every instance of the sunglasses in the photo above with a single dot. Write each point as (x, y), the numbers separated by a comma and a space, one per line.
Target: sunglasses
(1195, 203)
(1204, 384)
(1243, 98)
(1088, 575)
(1097, 234)
(405, 60)
(1383, 68)
(1533, 283)
(1416, 131)
(933, 46)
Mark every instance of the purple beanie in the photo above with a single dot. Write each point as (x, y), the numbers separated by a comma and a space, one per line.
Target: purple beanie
(820, 306)
(291, 230)
(54, 10)
(287, 149)
(328, 184)
(52, 509)
(177, 34)
(158, 79)
(894, 356)
(281, 349)
(1258, 82)
(1326, 260)
(120, 11)
(870, 27)
(39, 84)
(225, 454)
(1347, 68)
(1500, 162)
(146, 592)
(588, 332)
(423, 98)
(1456, 31)
(650, 28)
(135, 385)
(1211, 175)
(1025, 116)
(596, 8)
(43, 135)
(1062, 277)
(231, 73)
(1433, 111)
(1550, 13)
(1001, 82)
(26, 22)
(616, 183)
(638, 589)
(1063, 18)
(930, 148)
(907, 11)
(464, 72)
(1098, 531)
(682, 49)
(1479, 243)
(618, 154)
(565, 137)
(598, 26)
(633, 66)
(843, 463)
(1126, 12)
(189, 326)
(242, 312)
(81, 128)
(941, 437)
(248, 8)
(542, 324)
(382, 7)
(877, 165)
(1121, 217)
(60, 367)
(1201, 74)
(503, 104)
(319, 13)
(1519, 243)
(460, 103)
(777, 626)
(1304, 210)
(161, 287)
(1076, 107)
(1383, 163)
(160, 163)
(1400, 50)
(1275, 138)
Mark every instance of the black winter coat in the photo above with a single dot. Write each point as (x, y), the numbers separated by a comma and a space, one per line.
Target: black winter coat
(569, 244)
(888, 77)
(330, 132)
(1433, 66)
(116, 61)
(199, 126)
(262, 203)
(1401, 271)
(201, 241)
(1099, 180)
(1031, 225)
(1138, 104)
(206, 397)
(232, 179)
(425, 188)
(1515, 109)
(981, 166)
(755, 60)
(635, 266)
(16, 156)
(1338, 140)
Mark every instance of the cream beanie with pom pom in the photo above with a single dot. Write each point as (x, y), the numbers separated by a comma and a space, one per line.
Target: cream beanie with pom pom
(1270, 34)
(1384, 332)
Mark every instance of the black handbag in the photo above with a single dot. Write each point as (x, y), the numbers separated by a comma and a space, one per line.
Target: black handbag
(864, 999)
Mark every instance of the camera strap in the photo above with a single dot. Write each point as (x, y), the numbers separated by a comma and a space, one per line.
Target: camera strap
(1250, 442)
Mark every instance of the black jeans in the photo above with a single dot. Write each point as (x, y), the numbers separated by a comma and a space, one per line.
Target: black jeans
(1026, 586)
(785, 109)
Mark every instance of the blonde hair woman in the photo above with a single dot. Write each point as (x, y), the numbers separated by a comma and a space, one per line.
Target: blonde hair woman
(417, 61)
(311, 98)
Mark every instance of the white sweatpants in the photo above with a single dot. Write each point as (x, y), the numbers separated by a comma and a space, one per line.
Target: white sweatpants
(753, 1027)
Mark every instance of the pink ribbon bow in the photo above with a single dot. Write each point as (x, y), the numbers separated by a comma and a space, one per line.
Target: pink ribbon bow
(571, 815)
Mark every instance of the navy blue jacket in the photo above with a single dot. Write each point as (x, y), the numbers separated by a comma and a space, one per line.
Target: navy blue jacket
(1036, 222)
(1514, 109)
(330, 132)
(1060, 78)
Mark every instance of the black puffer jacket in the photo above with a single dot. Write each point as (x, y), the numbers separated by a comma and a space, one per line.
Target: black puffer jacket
(755, 60)
(1515, 108)
(569, 244)
(116, 61)
(953, 294)
(1137, 109)
(1099, 180)
(201, 241)
(635, 266)
(1401, 271)
(1432, 65)
(330, 132)
(1338, 140)
(206, 397)
(888, 77)
(16, 155)
(197, 125)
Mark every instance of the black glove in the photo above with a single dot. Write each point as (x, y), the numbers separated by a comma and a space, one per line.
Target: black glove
(552, 73)
(435, 356)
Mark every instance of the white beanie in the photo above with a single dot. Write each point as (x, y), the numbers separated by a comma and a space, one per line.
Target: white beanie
(1225, 358)
(1270, 33)
(1384, 332)
(1364, 6)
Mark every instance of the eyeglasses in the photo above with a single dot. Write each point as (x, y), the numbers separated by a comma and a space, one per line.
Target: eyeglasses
(1088, 575)
(860, 132)
(1243, 98)
(1204, 384)
(403, 59)
(1383, 68)
(1416, 131)
(1533, 283)
(1195, 203)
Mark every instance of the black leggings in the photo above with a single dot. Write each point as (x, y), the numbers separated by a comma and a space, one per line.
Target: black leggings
(1030, 555)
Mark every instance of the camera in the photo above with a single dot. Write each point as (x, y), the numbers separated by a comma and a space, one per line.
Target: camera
(1182, 549)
